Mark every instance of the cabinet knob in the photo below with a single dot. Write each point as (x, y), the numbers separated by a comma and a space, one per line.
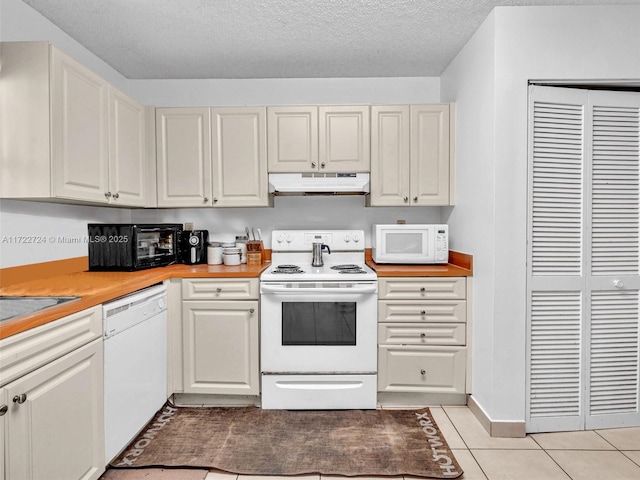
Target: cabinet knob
(423, 289)
(252, 310)
(3, 410)
(313, 164)
(423, 371)
(116, 195)
(415, 199)
(322, 165)
(215, 200)
(423, 312)
(218, 290)
(406, 199)
(423, 334)
(205, 200)
(107, 194)
(19, 399)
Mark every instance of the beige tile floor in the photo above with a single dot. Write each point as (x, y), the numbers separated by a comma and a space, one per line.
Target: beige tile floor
(591, 455)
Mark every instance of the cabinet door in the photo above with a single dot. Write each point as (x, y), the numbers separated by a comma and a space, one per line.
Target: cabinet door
(293, 139)
(344, 138)
(389, 156)
(430, 160)
(55, 423)
(79, 131)
(183, 151)
(239, 157)
(220, 347)
(127, 152)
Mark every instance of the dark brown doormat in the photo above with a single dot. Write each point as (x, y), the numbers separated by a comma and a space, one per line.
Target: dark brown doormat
(252, 441)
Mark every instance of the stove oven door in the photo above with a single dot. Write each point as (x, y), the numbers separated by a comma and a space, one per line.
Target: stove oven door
(318, 327)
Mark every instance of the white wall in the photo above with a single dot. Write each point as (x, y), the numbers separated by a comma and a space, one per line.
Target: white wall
(19, 22)
(552, 43)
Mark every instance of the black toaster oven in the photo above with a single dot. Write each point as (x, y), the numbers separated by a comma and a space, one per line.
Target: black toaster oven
(128, 247)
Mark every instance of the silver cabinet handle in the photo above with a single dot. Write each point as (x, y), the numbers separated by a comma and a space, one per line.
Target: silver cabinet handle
(116, 195)
(107, 194)
(20, 399)
(423, 371)
(3, 410)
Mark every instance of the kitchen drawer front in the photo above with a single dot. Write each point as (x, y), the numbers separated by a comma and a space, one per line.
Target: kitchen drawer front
(26, 351)
(422, 288)
(422, 334)
(421, 369)
(220, 289)
(429, 311)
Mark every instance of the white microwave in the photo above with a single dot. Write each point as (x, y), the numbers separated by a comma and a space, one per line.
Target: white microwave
(415, 244)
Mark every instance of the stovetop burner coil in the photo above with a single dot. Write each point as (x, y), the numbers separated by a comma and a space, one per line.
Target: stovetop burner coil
(287, 269)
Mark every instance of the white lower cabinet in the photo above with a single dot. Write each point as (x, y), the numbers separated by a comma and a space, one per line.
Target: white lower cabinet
(54, 424)
(422, 335)
(220, 324)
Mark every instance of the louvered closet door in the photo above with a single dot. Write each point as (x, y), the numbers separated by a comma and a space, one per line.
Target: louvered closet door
(583, 260)
(614, 282)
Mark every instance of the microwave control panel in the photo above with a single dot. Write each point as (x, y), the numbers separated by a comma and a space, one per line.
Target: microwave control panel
(442, 245)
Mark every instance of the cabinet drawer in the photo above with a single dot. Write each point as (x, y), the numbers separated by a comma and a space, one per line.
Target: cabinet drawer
(422, 288)
(220, 289)
(429, 311)
(427, 334)
(26, 351)
(421, 369)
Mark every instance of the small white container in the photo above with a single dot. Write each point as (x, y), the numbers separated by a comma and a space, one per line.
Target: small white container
(231, 258)
(214, 254)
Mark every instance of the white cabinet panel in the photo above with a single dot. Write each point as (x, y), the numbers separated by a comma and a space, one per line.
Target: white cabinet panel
(183, 152)
(65, 397)
(239, 151)
(344, 144)
(293, 139)
(79, 131)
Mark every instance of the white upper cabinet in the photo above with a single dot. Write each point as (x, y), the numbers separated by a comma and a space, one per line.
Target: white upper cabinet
(239, 157)
(412, 155)
(183, 151)
(84, 138)
(293, 139)
(318, 139)
(344, 139)
(127, 150)
(212, 157)
(80, 131)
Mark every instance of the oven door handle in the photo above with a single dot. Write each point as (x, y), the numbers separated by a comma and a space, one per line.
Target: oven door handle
(346, 290)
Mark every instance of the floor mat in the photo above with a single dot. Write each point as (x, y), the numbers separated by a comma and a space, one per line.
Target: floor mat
(253, 441)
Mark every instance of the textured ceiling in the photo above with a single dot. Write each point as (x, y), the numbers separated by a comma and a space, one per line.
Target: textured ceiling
(276, 38)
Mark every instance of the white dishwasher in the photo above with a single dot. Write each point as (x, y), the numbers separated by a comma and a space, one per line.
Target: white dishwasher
(135, 364)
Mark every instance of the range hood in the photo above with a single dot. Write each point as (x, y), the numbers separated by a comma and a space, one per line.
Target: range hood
(319, 183)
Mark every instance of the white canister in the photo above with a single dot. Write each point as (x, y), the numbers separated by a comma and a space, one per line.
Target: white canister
(214, 254)
(231, 258)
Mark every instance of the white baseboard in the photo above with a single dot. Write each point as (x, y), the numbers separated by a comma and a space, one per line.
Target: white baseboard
(512, 429)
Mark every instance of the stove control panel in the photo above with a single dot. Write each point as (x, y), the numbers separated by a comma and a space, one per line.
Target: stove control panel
(303, 240)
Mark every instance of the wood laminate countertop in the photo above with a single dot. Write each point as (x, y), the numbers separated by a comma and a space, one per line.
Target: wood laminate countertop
(69, 278)
(96, 288)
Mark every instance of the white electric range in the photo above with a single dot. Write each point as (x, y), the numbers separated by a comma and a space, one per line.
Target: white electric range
(318, 323)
